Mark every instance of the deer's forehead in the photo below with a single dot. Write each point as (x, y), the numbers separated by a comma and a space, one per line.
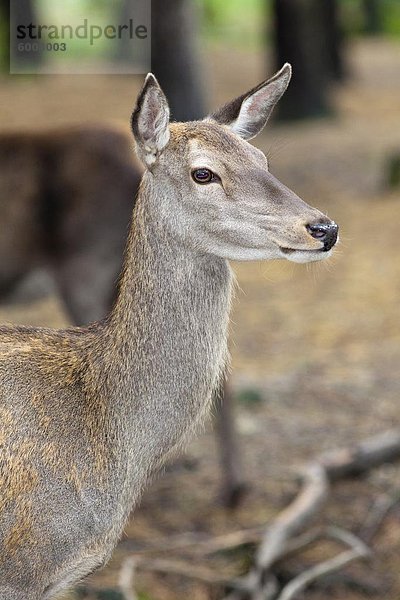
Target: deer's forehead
(208, 140)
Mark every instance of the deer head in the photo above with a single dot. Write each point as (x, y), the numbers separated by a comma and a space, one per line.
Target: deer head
(214, 190)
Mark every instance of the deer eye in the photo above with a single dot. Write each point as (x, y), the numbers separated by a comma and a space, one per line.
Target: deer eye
(204, 176)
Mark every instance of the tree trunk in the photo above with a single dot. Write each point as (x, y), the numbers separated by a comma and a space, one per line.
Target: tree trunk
(5, 34)
(233, 485)
(300, 38)
(174, 57)
(372, 17)
(334, 40)
(23, 13)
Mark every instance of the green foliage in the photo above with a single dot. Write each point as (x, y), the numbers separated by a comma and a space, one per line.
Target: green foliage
(105, 594)
(249, 23)
(109, 594)
(393, 171)
(72, 12)
(391, 17)
(354, 18)
(235, 22)
(4, 53)
(249, 397)
(143, 596)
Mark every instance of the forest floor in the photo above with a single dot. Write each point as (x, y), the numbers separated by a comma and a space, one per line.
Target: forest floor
(316, 348)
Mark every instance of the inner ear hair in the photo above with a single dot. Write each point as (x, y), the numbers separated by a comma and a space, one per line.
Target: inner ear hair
(248, 114)
(150, 121)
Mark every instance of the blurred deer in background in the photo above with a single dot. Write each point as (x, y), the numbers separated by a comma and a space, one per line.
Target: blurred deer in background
(89, 414)
(65, 205)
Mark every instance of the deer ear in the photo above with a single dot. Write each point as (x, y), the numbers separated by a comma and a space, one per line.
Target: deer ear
(150, 121)
(248, 114)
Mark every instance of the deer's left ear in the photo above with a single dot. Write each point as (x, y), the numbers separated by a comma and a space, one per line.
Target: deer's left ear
(248, 114)
(150, 121)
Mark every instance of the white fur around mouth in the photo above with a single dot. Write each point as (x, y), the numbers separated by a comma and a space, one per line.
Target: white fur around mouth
(304, 256)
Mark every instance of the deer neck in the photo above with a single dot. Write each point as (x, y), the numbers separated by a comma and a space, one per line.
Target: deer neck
(169, 332)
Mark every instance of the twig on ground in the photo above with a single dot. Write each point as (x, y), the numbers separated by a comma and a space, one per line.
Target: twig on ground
(303, 580)
(292, 519)
(126, 579)
(379, 511)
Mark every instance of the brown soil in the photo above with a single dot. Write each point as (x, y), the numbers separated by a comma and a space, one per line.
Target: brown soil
(320, 343)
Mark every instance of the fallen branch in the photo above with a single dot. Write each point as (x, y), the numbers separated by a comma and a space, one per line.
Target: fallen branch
(357, 550)
(178, 567)
(194, 544)
(300, 582)
(316, 478)
(126, 579)
(293, 518)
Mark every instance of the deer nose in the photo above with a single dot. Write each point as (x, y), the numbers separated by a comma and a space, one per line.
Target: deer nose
(324, 232)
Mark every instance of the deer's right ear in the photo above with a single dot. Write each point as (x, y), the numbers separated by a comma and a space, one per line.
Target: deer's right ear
(150, 121)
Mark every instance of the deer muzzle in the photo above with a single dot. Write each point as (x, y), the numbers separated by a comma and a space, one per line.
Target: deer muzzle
(327, 233)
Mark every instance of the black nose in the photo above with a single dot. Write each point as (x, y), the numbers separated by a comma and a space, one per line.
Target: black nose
(324, 232)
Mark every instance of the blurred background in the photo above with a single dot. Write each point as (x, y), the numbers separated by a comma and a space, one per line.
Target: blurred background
(315, 348)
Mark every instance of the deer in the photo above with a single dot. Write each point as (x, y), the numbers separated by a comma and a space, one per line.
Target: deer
(65, 205)
(90, 414)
